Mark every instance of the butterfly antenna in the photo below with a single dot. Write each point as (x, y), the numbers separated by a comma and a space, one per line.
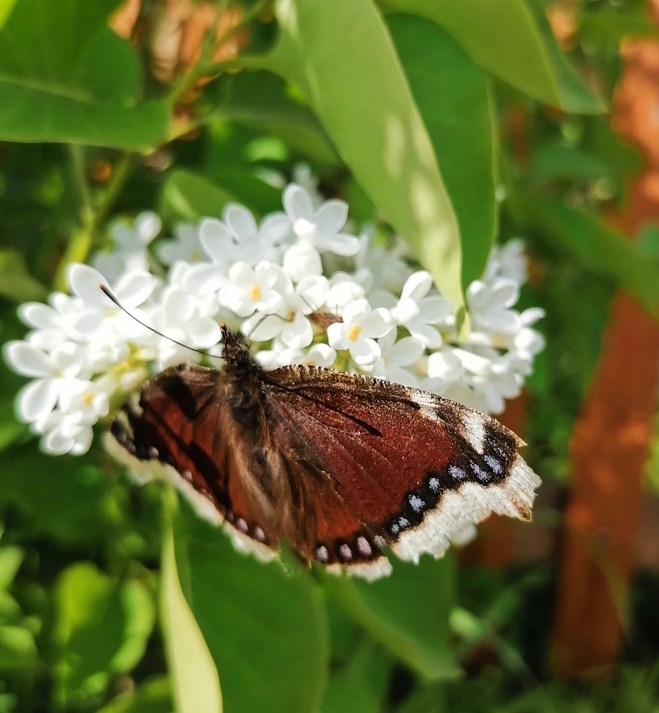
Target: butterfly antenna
(107, 292)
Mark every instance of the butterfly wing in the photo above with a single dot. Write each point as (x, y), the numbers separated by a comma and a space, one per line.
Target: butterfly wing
(413, 468)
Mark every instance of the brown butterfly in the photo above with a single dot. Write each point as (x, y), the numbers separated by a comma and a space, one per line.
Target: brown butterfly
(342, 466)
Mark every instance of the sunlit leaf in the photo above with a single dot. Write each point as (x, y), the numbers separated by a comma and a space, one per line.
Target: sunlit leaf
(11, 558)
(195, 683)
(17, 648)
(187, 196)
(16, 283)
(152, 696)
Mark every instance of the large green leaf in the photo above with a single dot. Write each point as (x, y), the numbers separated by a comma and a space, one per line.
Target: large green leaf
(17, 648)
(152, 696)
(454, 98)
(342, 56)
(101, 628)
(16, 283)
(407, 612)
(512, 40)
(265, 627)
(260, 100)
(187, 196)
(593, 245)
(195, 682)
(65, 76)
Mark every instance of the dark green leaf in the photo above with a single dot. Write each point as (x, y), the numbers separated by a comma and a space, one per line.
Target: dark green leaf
(17, 648)
(65, 76)
(249, 190)
(11, 558)
(511, 39)
(454, 99)
(265, 627)
(407, 612)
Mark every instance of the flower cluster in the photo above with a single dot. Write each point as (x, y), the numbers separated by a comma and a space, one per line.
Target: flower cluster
(298, 284)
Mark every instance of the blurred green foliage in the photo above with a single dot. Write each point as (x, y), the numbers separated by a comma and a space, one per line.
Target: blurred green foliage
(386, 103)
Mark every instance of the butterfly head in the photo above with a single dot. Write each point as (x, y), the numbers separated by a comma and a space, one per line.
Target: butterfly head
(238, 358)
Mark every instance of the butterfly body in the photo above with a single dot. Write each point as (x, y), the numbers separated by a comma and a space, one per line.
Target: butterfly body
(342, 466)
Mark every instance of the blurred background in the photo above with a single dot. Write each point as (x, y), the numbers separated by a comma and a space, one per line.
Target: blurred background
(111, 108)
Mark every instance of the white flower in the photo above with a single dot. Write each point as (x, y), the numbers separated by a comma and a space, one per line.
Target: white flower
(100, 313)
(305, 177)
(343, 290)
(86, 400)
(318, 355)
(398, 354)
(130, 246)
(290, 322)
(320, 228)
(444, 367)
(380, 269)
(64, 433)
(508, 261)
(302, 260)
(53, 322)
(56, 373)
(360, 328)
(489, 303)
(418, 312)
(250, 289)
(184, 246)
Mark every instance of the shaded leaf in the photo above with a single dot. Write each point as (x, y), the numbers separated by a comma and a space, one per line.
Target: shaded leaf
(16, 283)
(261, 101)
(265, 627)
(65, 76)
(152, 696)
(195, 682)
(342, 56)
(249, 190)
(11, 558)
(187, 196)
(512, 40)
(17, 648)
(407, 612)
(454, 98)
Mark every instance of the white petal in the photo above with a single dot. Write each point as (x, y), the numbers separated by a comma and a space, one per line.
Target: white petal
(445, 365)
(313, 292)
(216, 240)
(235, 298)
(504, 293)
(342, 244)
(331, 217)
(355, 310)
(402, 376)
(531, 315)
(297, 203)
(83, 442)
(427, 335)
(406, 311)
(406, 352)
(37, 399)
(261, 328)
(417, 286)
(179, 307)
(274, 228)
(505, 321)
(302, 260)
(27, 360)
(204, 332)
(89, 321)
(297, 334)
(133, 325)
(365, 352)
(147, 226)
(39, 315)
(134, 288)
(85, 282)
(56, 443)
(434, 310)
(377, 323)
(473, 362)
(241, 222)
(202, 279)
(336, 336)
(242, 274)
(321, 355)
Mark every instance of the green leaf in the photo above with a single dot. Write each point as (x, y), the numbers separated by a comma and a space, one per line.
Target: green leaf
(17, 648)
(195, 682)
(596, 247)
(261, 101)
(512, 40)
(249, 190)
(6, 6)
(152, 696)
(342, 56)
(265, 627)
(361, 685)
(187, 196)
(11, 559)
(65, 76)
(455, 101)
(16, 283)
(407, 612)
(96, 630)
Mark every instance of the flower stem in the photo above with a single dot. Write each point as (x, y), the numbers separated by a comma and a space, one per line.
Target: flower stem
(82, 238)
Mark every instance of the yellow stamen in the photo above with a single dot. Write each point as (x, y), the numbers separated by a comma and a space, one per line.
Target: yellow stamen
(88, 398)
(354, 332)
(195, 255)
(255, 293)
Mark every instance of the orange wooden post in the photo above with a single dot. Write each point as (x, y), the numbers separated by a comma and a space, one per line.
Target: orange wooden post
(610, 442)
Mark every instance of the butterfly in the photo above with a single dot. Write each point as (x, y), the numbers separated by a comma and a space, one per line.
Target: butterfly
(343, 466)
